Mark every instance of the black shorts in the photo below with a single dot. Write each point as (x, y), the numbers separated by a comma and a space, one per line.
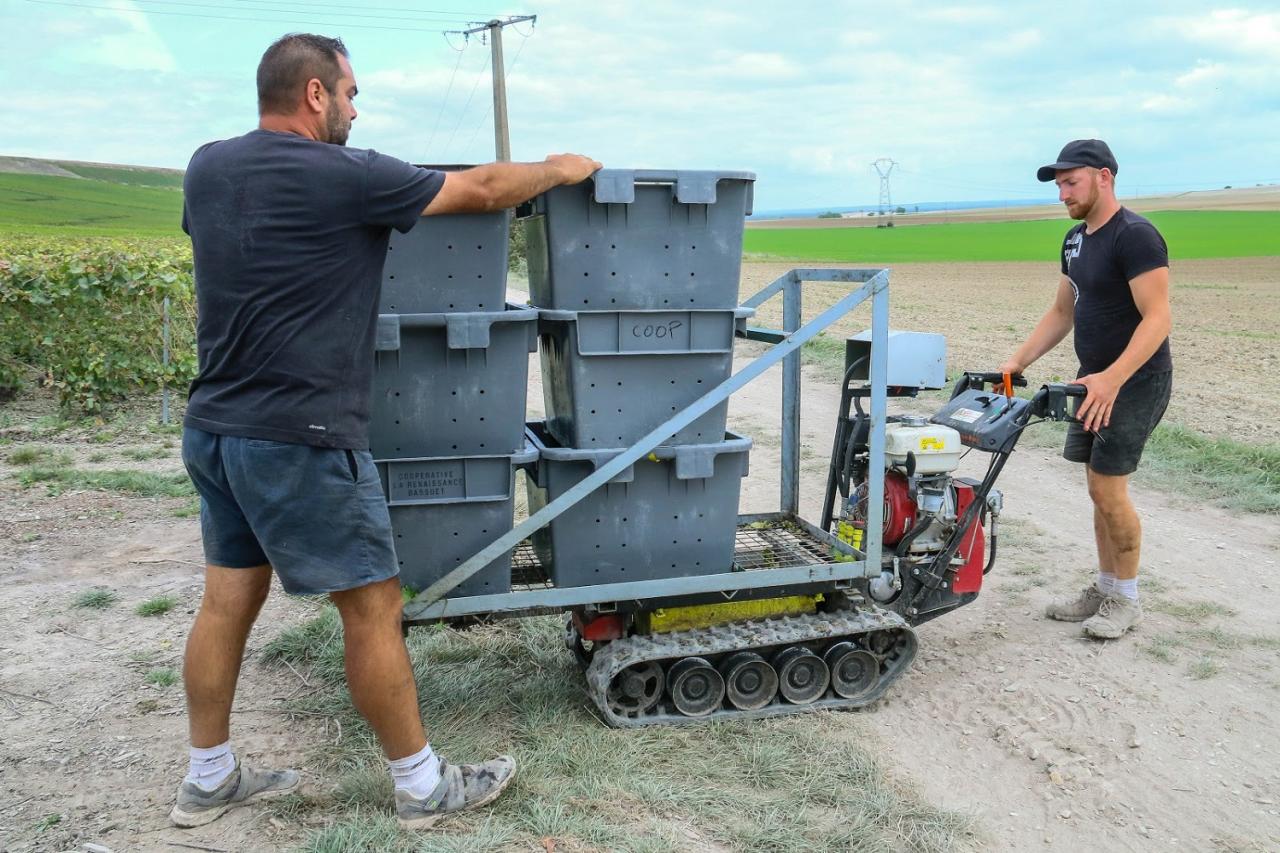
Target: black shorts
(1116, 449)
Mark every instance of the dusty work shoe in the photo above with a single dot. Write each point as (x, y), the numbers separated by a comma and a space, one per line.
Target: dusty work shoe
(1079, 608)
(196, 806)
(462, 787)
(1115, 615)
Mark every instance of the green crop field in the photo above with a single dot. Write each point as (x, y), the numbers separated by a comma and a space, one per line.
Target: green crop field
(1190, 234)
(49, 205)
(132, 175)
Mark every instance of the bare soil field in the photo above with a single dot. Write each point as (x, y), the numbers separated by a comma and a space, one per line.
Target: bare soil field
(1163, 740)
(1226, 329)
(1246, 198)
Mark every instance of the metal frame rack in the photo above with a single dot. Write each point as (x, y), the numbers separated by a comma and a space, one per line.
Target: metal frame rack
(773, 550)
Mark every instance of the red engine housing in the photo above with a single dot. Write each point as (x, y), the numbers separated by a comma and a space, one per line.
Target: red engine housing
(899, 509)
(900, 515)
(973, 547)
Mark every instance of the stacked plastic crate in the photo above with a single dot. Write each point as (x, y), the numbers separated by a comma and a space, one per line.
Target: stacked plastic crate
(635, 275)
(448, 397)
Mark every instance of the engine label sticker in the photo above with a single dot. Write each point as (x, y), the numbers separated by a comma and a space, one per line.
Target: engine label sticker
(930, 443)
(969, 416)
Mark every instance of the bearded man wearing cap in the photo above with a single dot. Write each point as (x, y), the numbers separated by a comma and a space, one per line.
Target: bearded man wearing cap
(1114, 292)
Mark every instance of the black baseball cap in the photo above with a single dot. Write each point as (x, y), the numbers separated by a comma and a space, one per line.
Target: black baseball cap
(1080, 152)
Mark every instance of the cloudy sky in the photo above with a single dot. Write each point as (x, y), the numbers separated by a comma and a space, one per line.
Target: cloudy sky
(968, 98)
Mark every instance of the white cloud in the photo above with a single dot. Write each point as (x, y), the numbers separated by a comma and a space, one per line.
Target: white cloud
(137, 48)
(1203, 73)
(755, 66)
(1234, 30)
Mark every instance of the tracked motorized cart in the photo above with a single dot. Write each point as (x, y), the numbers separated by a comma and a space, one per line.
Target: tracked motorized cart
(678, 608)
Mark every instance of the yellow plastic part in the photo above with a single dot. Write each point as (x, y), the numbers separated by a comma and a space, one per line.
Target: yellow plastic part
(667, 619)
(846, 532)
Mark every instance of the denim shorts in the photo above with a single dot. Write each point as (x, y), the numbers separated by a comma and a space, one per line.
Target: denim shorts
(1116, 449)
(316, 514)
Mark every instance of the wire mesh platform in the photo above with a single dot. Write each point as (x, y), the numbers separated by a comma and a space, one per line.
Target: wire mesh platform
(758, 545)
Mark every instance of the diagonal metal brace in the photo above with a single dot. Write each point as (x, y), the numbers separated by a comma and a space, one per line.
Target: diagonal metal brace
(876, 283)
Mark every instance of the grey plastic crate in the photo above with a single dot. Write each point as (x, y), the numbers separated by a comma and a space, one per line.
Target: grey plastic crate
(673, 517)
(444, 510)
(449, 384)
(609, 377)
(454, 262)
(634, 239)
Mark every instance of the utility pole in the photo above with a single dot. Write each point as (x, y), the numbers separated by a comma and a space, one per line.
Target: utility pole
(501, 132)
(883, 167)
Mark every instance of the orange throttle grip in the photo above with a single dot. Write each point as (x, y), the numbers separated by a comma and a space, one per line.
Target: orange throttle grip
(1007, 386)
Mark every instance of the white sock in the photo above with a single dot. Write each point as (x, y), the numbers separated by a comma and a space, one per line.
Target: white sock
(1106, 582)
(211, 767)
(419, 774)
(1127, 588)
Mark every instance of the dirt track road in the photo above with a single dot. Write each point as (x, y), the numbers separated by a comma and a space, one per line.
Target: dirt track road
(1061, 743)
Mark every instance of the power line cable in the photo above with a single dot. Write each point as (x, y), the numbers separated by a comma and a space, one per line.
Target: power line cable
(466, 16)
(445, 101)
(355, 14)
(506, 76)
(343, 24)
(465, 106)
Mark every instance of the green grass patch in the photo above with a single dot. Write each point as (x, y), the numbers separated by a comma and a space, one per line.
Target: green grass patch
(142, 454)
(95, 599)
(189, 509)
(157, 606)
(46, 204)
(33, 454)
(1163, 648)
(143, 483)
(1194, 612)
(1204, 668)
(1230, 473)
(1189, 233)
(512, 688)
(162, 677)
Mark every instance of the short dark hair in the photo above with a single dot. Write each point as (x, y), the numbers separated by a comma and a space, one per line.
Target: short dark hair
(290, 62)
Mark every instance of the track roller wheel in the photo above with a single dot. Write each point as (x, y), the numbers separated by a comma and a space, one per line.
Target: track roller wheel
(854, 671)
(802, 675)
(750, 682)
(636, 690)
(695, 686)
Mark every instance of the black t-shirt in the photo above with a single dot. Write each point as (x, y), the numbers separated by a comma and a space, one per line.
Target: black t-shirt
(290, 237)
(1100, 266)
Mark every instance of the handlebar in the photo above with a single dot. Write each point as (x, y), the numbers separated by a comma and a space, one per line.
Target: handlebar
(1049, 402)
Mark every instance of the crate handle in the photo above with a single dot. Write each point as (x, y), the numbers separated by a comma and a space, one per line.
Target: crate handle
(618, 186)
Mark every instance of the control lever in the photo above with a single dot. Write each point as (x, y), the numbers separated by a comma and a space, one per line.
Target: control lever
(1001, 382)
(1051, 401)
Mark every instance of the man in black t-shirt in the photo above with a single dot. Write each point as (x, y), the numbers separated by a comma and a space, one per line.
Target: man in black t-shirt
(289, 231)
(1114, 292)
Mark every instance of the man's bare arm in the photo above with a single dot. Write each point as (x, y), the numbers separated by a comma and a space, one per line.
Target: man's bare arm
(1151, 296)
(496, 186)
(1049, 332)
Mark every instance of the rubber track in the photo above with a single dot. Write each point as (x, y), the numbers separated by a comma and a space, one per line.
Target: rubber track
(833, 627)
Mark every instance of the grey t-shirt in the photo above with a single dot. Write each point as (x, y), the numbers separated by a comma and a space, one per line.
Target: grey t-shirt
(289, 237)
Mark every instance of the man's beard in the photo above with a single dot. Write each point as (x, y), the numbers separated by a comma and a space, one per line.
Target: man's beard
(1086, 206)
(337, 127)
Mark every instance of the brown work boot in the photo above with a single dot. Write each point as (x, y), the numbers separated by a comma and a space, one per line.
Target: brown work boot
(1079, 608)
(1115, 616)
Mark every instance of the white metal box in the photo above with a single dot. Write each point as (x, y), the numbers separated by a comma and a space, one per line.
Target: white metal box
(916, 359)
